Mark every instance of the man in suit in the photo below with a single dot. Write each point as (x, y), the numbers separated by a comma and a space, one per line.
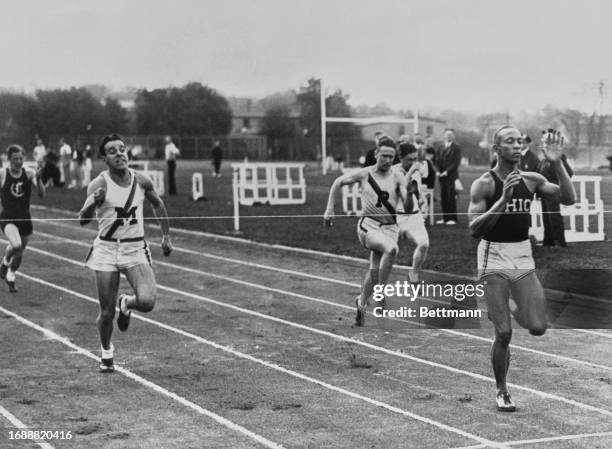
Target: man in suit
(448, 160)
(529, 160)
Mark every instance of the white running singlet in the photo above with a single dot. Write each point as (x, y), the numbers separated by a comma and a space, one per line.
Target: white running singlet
(115, 223)
(375, 205)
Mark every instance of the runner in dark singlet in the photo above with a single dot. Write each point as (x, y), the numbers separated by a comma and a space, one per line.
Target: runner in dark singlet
(15, 221)
(499, 214)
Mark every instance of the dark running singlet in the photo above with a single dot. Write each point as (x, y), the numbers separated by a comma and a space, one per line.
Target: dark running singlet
(513, 224)
(15, 195)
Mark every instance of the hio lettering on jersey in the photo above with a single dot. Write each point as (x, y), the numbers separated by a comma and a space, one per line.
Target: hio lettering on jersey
(518, 205)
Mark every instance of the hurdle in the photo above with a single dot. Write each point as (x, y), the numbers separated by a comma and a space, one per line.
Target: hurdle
(270, 183)
(582, 211)
(351, 196)
(428, 206)
(197, 186)
(267, 183)
(157, 176)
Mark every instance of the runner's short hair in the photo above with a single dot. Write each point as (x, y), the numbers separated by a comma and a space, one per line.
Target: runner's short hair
(496, 135)
(386, 141)
(405, 148)
(14, 148)
(106, 139)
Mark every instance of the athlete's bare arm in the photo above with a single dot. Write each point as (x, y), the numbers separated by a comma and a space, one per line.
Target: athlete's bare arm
(402, 186)
(96, 193)
(481, 219)
(344, 180)
(34, 176)
(159, 209)
(552, 149)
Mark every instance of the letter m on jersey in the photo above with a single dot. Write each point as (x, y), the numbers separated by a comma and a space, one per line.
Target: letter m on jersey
(124, 218)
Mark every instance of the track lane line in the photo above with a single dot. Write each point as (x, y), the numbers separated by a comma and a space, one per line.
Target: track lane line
(558, 438)
(346, 339)
(141, 380)
(21, 426)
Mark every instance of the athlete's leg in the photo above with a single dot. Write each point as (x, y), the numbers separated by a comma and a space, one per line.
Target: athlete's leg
(496, 293)
(17, 256)
(383, 250)
(531, 312)
(387, 248)
(142, 280)
(416, 232)
(108, 286)
(370, 279)
(14, 245)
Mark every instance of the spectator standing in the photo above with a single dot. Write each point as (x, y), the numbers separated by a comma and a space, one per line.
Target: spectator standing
(217, 157)
(529, 160)
(76, 166)
(448, 160)
(39, 153)
(65, 156)
(51, 172)
(430, 180)
(87, 166)
(171, 152)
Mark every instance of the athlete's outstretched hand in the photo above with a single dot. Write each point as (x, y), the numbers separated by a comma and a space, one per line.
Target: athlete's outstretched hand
(166, 245)
(511, 181)
(552, 144)
(328, 218)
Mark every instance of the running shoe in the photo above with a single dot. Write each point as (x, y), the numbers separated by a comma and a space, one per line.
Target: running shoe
(10, 281)
(12, 287)
(360, 317)
(123, 320)
(107, 365)
(504, 402)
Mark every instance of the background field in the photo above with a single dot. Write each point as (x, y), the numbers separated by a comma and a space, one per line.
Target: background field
(580, 268)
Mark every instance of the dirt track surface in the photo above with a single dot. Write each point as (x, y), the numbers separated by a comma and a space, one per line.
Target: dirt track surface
(276, 353)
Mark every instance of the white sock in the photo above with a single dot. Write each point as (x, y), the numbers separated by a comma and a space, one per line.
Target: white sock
(10, 275)
(108, 353)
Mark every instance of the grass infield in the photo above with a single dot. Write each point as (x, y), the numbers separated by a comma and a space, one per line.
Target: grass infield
(584, 268)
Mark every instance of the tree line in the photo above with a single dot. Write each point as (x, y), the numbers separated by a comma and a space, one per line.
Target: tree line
(193, 109)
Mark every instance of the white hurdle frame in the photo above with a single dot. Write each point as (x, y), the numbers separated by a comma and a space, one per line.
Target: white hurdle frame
(262, 181)
(197, 186)
(157, 176)
(582, 208)
(351, 196)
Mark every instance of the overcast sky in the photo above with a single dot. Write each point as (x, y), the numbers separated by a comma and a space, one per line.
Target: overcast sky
(472, 55)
